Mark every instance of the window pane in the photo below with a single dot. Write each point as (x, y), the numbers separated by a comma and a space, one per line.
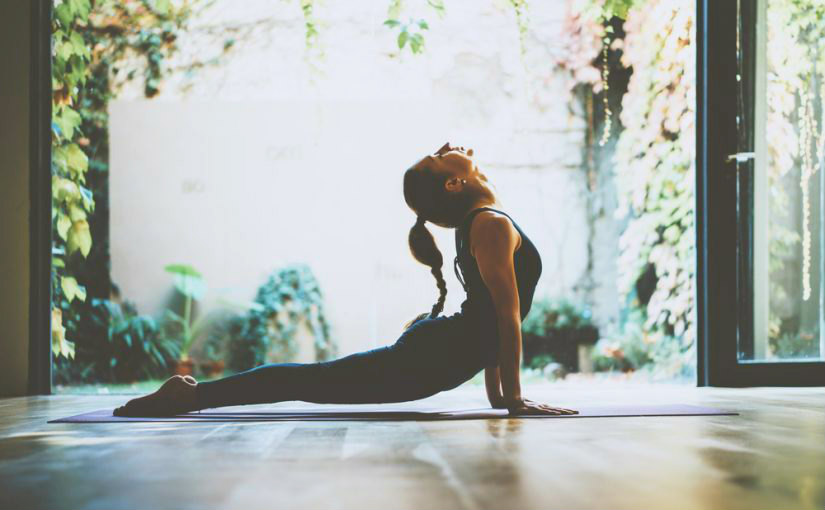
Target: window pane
(787, 186)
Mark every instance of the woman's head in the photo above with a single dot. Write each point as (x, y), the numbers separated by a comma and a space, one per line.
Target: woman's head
(442, 188)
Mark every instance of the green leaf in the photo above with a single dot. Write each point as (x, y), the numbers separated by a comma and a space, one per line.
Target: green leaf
(71, 289)
(80, 238)
(65, 190)
(60, 346)
(80, 8)
(438, 5)
(79, 45)
(423, 24)
(394, 9)
(67, 120)
(182, 269)
(402, 39)
(64, 50)
(64, 14)
(392, 23)
(76, 213)
(417, 43)
(63, 224)
(77, 160)
(161, 7)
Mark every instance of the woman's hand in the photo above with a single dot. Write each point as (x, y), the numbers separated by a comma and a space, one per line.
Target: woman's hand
(498, 403)
(525, 407)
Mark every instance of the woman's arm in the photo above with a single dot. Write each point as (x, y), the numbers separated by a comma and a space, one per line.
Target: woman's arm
(494, 240)
(492, 381)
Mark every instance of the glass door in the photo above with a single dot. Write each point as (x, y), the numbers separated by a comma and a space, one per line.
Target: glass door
(779, 167)
(759, 201)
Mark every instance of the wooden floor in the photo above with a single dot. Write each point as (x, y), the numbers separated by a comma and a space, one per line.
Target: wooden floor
(771, 456)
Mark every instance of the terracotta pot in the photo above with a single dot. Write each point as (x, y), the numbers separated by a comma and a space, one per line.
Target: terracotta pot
(184, 367)
(213, 368)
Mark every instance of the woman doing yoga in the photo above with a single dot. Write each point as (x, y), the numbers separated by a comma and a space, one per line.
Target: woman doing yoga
(499, 268)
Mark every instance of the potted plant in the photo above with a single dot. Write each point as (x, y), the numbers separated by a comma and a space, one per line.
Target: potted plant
(190, 283)
(559, 329)
(211, 351)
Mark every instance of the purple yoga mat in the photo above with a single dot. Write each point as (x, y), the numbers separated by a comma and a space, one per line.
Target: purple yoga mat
(352, 413)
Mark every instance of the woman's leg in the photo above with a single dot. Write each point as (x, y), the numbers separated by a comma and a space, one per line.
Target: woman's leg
(424, 361)
(381, 375)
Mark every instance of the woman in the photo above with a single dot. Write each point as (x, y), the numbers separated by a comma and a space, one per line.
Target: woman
(500, 268)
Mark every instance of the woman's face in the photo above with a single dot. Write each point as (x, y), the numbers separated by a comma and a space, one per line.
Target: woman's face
(456, 163)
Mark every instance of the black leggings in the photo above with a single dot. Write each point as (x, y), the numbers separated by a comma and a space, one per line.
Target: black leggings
(433, 355)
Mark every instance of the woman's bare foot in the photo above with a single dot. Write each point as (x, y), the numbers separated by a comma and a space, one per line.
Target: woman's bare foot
(175, 396)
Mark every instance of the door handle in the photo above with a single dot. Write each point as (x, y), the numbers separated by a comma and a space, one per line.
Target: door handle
(740, 157)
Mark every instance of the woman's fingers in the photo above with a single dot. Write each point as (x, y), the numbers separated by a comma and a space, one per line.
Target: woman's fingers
(554, 410)
(530, 407)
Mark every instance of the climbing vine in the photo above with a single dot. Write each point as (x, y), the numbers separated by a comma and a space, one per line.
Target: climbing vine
(652, 160)
(72, 200)
(655, 172)
(97, 48)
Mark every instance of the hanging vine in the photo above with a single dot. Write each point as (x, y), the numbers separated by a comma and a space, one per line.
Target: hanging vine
(602, 13)
(605, 76)
(795, 143)
(522, 20)
(411, 32)
(811, 138)
(313, 49)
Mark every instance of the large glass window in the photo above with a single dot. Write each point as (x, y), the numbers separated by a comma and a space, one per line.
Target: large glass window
(782, 139)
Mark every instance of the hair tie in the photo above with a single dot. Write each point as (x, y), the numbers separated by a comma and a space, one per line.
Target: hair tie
(420, 220)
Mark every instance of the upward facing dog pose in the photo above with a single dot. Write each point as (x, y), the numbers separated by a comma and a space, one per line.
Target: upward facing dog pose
(500, 268)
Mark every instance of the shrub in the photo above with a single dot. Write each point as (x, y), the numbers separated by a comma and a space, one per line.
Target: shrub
(554, 329)
(130, 349)
(289, 297)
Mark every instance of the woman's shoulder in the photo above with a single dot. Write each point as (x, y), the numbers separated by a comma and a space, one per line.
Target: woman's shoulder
(492, 222)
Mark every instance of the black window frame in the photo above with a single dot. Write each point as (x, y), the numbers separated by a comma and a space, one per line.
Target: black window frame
(40, 196)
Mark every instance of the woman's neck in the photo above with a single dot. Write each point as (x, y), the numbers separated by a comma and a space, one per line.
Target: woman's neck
(485, 202)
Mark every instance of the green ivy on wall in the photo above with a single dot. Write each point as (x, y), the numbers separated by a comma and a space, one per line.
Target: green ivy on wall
(653, 162)
(94, 49)
(72, 200)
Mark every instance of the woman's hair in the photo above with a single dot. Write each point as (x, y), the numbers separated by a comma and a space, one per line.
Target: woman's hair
(425, 194)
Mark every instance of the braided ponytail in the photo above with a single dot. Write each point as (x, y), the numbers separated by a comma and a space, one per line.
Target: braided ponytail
(424, 250)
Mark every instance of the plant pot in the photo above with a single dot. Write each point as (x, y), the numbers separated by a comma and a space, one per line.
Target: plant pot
(212, 368)
(184, 367)
(562, 344)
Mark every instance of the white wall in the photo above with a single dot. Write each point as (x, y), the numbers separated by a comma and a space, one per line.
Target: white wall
(263, 162)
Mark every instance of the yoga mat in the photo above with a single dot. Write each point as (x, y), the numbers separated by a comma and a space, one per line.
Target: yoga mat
(352, 413)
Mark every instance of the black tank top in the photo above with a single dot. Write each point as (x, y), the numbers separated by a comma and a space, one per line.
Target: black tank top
(478, 306)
